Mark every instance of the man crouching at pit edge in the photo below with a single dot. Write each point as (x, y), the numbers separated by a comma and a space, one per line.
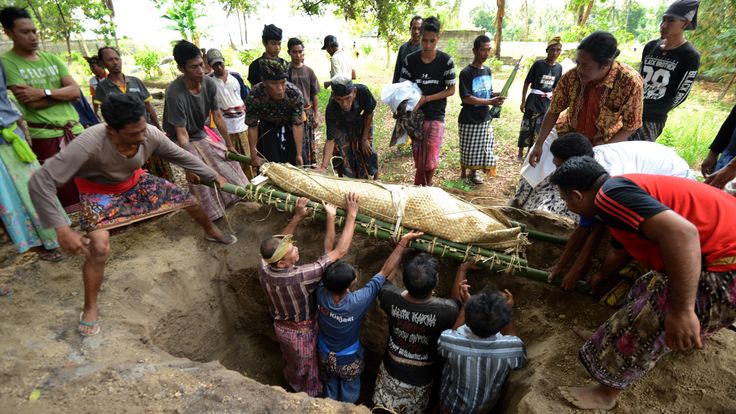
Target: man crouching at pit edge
(675, 227)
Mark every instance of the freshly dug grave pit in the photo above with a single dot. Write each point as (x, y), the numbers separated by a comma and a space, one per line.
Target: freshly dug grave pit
(182, 319)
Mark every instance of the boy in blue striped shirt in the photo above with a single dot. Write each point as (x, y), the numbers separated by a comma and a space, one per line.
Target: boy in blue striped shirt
(480, 351)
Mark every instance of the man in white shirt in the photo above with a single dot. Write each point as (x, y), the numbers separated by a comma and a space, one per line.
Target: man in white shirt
(340, 62)
(229, 99)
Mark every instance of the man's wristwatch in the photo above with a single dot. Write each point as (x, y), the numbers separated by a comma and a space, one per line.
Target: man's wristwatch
(47, 93)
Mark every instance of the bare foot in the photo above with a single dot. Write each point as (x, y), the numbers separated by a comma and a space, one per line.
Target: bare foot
(596, 397)
(583, 333)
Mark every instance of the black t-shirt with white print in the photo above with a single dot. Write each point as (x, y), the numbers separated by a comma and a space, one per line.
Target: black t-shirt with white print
(544, 77)
(668, 77)
(432, 78)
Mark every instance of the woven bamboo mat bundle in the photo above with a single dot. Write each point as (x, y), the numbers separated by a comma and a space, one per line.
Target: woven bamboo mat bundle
(428, 209)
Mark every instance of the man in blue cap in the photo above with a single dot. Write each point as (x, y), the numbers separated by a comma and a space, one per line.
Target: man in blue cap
(668, 66)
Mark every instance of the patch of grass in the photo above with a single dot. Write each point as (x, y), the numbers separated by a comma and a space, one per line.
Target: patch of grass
(457, 184)
(691, 127)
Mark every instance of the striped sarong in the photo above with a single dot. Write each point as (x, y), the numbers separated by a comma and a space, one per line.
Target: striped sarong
(298, 342)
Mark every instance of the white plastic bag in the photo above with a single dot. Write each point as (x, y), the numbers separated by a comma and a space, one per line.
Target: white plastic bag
(396, 93)
(545, 166)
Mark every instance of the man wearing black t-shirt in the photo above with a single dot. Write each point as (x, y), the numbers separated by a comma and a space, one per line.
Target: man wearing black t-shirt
(271, 39)
(474, 122)
(416, 319)
(413, 45)
(434, 72)
(543, 77)
(669, 66)
(349, 119)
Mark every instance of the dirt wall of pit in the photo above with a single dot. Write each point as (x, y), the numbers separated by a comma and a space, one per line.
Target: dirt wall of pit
(185, 328)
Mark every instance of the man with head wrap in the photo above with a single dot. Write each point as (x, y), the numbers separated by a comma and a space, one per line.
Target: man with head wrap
(349, 119)
(274, 113)
(271, 39)
(669, 66)
(543, 77)
(289, 287)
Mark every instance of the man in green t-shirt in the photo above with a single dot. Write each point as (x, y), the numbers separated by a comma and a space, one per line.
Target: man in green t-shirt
(44, 90)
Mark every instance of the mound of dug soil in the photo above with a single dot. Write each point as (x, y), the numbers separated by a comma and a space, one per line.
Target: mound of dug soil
(185, 328)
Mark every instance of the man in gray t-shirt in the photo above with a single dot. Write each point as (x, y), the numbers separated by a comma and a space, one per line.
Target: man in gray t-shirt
(189, 105)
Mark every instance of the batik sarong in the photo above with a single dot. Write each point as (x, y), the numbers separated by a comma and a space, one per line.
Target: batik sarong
(298, 342)
(308, 143)
(631, 341)
(649, 131)
(400, 397)
(212, 200)
(16, 209)
(476, 147)
(150, 197)
(351, 161)
(544, 197)
(531, 123)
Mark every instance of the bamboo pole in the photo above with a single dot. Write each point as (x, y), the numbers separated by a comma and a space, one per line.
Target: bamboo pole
(534, 234)
(272, 196)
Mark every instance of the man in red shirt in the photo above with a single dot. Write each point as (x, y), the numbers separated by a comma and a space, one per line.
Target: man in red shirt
(677, 228)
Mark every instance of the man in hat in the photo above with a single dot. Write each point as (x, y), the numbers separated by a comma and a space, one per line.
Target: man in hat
(340, 62)
(543, 77)
(289, 288)
(231, 94)
(271, 39)
(349, 118)
(411, 46)
(669, 66)
(274, 113)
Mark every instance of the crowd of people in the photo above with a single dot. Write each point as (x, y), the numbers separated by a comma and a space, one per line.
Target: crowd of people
(592, 157)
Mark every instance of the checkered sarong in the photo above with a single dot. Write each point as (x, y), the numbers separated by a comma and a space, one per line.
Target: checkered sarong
(476, 146)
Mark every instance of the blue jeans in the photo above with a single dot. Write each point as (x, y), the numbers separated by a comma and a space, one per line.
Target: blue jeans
(341, 390)
(724, 159)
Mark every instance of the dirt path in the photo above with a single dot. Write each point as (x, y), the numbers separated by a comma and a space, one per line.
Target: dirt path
(182, 319)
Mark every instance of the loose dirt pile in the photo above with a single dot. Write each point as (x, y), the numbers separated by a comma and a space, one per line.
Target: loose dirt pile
(185, 328)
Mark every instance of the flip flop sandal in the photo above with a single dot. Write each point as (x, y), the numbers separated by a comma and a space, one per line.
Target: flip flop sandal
(227, 239)
(94, 325)
(51, 256)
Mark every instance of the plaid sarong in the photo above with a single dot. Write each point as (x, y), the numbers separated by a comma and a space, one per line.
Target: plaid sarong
(298, 342)
(476, 147)
(631, 341)
(151, 197)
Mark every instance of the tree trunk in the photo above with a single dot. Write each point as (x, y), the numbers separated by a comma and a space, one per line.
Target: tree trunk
(525, 14)
(388, 54)
(245, 28)
(588, 9)
(83, 45)
(500, 4)
(67, 37)
(240, 29)
(725, 90)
